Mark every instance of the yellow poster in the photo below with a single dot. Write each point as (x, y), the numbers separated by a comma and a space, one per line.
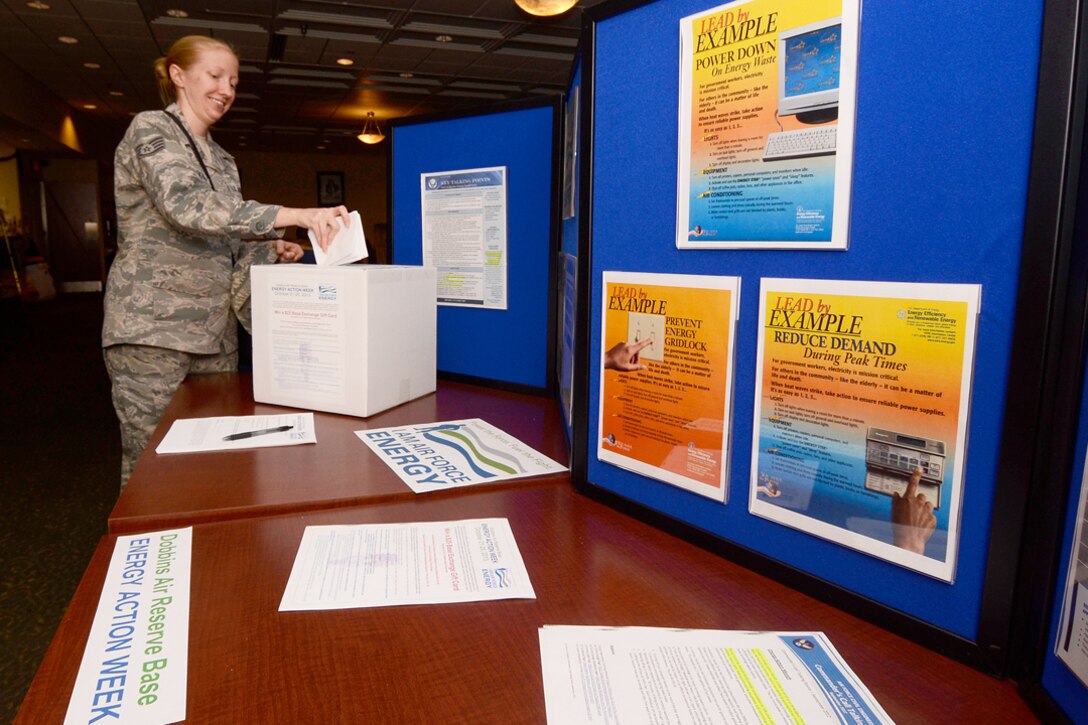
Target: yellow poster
(667, 377)
(766, 124)
(862, 396)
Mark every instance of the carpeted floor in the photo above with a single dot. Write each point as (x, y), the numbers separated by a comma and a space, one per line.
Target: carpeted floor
(59, 469)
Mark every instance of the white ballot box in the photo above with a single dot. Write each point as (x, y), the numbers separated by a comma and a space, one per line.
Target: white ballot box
(354, 339)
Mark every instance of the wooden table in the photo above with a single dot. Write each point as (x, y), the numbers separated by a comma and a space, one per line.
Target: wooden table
(480, 662)
(167, 491)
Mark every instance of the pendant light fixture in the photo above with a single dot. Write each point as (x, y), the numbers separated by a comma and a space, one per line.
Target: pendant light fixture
(371, 133)
(546, 7)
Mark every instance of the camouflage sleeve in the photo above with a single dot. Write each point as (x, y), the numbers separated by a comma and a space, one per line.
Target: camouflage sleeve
(169, 170)
(247, 256)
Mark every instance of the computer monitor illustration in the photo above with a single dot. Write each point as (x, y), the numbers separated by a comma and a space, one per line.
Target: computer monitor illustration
(808, 71)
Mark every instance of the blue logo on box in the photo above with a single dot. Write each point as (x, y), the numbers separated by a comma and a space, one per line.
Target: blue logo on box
(326, 292)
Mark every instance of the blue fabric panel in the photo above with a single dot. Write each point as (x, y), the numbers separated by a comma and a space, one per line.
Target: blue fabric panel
(944, 132)
(504, 345)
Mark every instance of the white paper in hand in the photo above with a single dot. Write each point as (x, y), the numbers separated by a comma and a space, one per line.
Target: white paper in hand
(349, 245)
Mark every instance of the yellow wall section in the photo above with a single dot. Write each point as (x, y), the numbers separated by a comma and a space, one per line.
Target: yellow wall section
(9, 184)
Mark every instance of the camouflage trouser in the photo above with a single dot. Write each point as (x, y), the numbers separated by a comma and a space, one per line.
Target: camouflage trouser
(144, 380)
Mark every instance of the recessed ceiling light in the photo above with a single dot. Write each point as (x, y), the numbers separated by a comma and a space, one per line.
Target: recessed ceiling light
(68, 39)
(177, 13)
(320, 148)
(407, 75)
(37, 5)
(345, 61)
(117, 93)
(92, 66)
(444, 38)
(89, 106)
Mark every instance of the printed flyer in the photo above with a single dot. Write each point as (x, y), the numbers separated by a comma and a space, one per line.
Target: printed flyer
(667, 377)
(135, 667)
(622, 675)
(306, 323)
(1072, 645)
(437, 456)
(464, 235)
(766, 125)
(424, 562)
(861, 407)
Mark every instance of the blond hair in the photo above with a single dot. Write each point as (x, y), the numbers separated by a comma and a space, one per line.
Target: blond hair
(183, 53)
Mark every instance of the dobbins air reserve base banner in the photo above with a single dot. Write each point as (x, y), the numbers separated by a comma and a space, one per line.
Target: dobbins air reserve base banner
(862, 392)
(766, 125)
(667, 377)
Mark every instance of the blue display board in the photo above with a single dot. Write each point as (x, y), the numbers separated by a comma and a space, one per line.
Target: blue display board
(933, 200)
(515, 346)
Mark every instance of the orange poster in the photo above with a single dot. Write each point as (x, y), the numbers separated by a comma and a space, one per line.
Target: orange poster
(667, 377)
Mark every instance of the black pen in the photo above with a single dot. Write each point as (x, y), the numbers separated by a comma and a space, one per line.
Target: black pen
(252, 433)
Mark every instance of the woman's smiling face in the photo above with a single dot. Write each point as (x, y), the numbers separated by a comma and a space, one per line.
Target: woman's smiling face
(206, 88)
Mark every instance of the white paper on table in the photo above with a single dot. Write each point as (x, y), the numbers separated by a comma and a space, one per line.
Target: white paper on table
(349, 244)
(632, 675)
(448, 454)
(381, 565)
(135, 665)
(190, 435)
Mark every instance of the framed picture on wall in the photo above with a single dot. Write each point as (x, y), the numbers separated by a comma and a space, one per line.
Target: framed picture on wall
(330, 188)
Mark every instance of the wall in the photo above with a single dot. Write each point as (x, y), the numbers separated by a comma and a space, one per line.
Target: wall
(9, 184)
(54, 125)
(82, 170)
(290, 179)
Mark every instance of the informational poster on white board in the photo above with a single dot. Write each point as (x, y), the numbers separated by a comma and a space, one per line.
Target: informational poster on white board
(1072, 645)
(464, 235)
(766, 133)
(861, 407)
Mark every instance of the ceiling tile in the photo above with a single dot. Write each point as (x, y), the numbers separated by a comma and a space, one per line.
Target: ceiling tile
(497, 50)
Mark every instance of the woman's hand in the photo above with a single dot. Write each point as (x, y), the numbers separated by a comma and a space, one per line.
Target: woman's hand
(287, 252)
(320, 221)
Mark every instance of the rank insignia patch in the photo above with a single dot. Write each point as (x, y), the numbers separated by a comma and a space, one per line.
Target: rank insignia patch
(151, 147)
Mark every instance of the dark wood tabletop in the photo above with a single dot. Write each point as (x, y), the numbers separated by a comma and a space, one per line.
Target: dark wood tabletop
(167, 491)
(480, 662)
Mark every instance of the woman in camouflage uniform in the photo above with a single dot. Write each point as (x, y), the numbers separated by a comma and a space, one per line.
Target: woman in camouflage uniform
(182, 225)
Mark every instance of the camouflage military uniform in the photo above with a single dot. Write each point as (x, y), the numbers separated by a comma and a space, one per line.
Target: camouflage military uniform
(180, 250)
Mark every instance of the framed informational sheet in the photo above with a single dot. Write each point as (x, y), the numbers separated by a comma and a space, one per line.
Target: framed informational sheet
(464, 235)
(766, 124)
(861, 407)
(667, 377)
(1072, 645)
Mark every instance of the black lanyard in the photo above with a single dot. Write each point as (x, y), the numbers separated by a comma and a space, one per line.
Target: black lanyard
(192, 145)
